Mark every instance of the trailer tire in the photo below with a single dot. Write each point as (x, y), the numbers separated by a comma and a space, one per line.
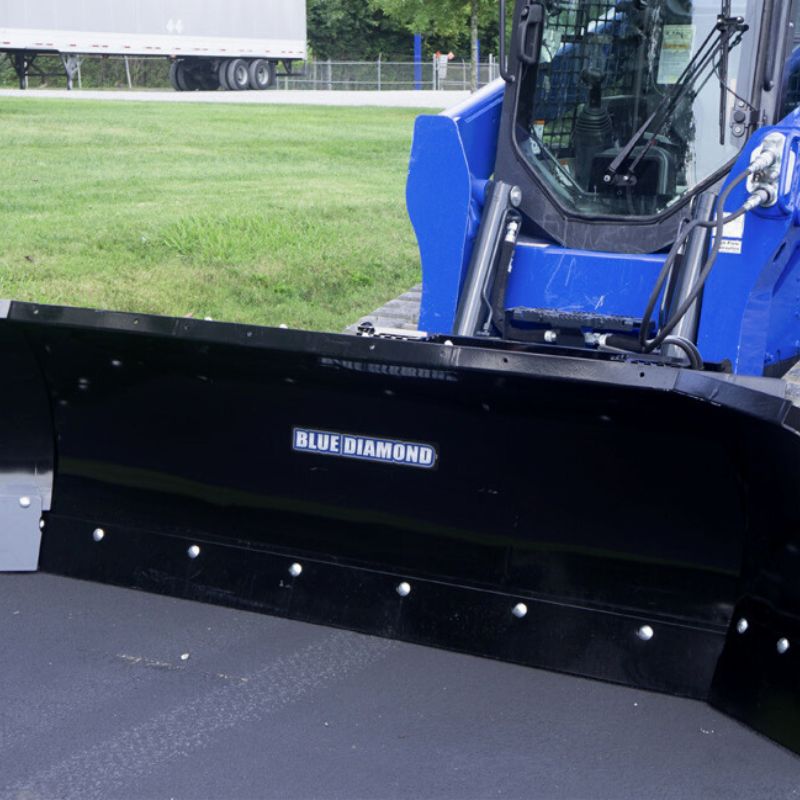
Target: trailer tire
(262, 74)
(174, 69)
(222, 74)
(238, 75)
(184, 78)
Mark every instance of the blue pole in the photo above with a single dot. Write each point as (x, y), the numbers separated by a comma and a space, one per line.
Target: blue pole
(417, 61)
(478, 64)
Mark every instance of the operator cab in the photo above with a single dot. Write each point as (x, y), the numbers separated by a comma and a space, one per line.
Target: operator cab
(622, 112)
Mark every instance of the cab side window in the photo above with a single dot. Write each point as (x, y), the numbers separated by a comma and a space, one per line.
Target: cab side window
(791, 74)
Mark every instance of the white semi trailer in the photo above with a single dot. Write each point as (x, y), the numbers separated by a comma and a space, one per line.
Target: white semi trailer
(233, 45)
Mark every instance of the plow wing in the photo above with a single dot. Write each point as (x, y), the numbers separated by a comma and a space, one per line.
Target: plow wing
(624, 521)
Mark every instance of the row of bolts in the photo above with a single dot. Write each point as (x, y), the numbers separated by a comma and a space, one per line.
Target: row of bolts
(520, 610)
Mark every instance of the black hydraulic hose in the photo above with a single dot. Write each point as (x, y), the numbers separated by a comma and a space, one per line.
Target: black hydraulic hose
(719, 223)
(689, 348)
(505, 261)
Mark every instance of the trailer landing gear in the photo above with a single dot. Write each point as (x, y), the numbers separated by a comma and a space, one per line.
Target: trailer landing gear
(24, 65)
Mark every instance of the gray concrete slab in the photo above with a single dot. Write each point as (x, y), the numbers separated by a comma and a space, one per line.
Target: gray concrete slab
(388, 99)
(96, 701)
(401, 313)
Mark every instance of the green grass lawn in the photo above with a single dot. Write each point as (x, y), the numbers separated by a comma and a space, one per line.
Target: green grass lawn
(260, 214)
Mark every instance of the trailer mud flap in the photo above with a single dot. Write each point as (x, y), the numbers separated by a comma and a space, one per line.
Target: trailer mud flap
(581, 514)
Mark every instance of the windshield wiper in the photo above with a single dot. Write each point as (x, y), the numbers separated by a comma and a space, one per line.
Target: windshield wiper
(717, 42)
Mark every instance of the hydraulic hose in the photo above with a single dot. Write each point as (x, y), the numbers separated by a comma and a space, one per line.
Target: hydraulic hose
(759, 197)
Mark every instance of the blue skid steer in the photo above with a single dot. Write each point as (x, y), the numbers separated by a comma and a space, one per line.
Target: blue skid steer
(586, 460)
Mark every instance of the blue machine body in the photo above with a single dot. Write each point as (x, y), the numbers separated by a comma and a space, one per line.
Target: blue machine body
(751, 304)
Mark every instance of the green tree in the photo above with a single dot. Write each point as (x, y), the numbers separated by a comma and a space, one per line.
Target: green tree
(444, 19)
(342, 29)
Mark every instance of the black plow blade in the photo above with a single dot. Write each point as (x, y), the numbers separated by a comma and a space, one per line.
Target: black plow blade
(629, 522)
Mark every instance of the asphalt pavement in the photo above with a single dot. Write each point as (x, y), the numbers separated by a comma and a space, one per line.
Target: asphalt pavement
(111, 693)
(386, 99)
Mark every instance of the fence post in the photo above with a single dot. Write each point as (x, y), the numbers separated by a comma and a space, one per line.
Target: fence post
(379, 71)
(435, 79)
(330, 75)
(128, 72)
(418, 61)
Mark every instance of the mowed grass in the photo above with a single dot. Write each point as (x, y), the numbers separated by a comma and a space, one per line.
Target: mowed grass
(266, 215)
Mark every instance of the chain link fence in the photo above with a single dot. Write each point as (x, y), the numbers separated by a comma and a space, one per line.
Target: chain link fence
(118, 72)
(390, 75)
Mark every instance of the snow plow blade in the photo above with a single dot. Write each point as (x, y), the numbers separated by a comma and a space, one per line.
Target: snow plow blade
(623, 521)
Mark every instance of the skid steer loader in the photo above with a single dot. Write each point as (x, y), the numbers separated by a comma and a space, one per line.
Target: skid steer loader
(586, 460)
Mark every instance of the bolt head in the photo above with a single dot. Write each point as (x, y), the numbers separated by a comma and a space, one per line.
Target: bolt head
(193, 551)
(520, 610)
(98, 534)
(41, 524)
(782, 646)
(296, 570)
(404, 589)
(550, 337)
(448, 343)
(25, 501)
(515, 196)
(645, 633)
(742, 625)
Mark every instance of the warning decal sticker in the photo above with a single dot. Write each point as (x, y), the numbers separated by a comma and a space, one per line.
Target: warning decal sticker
(676, 52)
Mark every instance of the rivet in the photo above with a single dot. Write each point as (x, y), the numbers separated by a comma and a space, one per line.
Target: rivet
(193, 551)
(404, 589)
(25, 501)
(519, 610)
(98, 534)
(295, 570)
(41, 524)
(645, 633)
(742, 625)
(782, 645)
(448, 343)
